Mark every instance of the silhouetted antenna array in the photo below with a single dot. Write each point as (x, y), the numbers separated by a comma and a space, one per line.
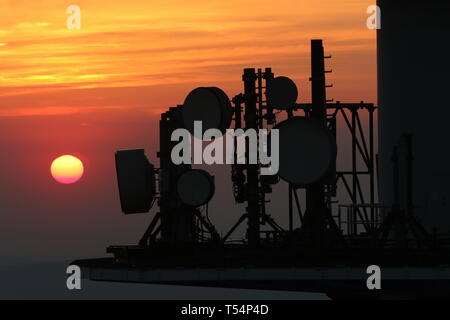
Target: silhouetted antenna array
(307, 152)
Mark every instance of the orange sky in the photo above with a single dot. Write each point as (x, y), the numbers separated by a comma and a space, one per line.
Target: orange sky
(171, 46)
(93, 91)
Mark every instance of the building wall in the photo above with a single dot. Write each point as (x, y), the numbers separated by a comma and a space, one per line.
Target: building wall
(413, 91)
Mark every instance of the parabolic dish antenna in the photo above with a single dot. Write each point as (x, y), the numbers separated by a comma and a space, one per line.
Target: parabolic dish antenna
(136, 180)
(195, 187)
(281, 93)
(209, 105)
(307, 151)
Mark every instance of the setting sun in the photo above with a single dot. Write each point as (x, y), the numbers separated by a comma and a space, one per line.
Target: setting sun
(67, 169)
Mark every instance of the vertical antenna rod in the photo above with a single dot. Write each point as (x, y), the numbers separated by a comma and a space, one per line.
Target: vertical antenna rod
(251, 122)
(315, 215)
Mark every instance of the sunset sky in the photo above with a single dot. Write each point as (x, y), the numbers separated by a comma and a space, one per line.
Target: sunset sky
(92, 91)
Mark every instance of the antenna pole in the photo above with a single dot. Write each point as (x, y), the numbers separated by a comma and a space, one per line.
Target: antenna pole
(176, 223)
(314, 227)
(251, 122)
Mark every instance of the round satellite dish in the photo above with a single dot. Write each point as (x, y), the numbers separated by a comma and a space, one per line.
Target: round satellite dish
(307, 151)
(209, 105)
(195, 187)
(136, 181)
(282, 93)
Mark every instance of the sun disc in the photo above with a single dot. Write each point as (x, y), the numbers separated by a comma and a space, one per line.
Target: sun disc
(67, 169)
